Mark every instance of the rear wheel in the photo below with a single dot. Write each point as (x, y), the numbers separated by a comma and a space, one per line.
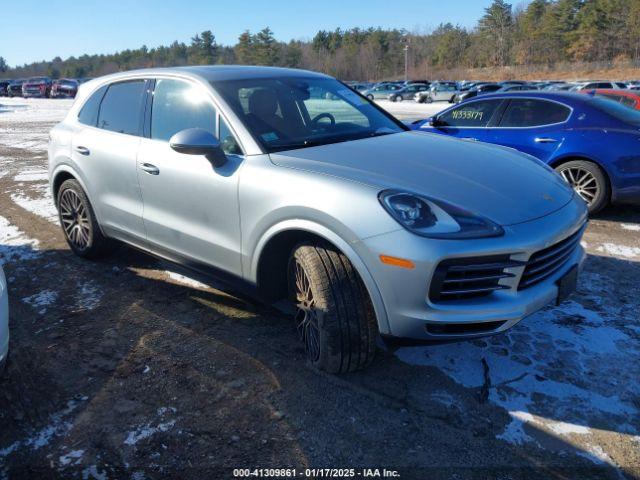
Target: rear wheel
(370, 97)
(79, 224)
(334, 317)
(429, 100)
(588, 180)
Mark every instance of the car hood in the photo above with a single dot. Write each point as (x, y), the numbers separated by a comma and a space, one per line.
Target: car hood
(499, 183)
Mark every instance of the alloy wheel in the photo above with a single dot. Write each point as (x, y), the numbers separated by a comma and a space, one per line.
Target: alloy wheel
(75, 220)
(307, 315)
(583, 182)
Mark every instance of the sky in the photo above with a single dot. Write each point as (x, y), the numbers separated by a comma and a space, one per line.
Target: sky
(41, 30)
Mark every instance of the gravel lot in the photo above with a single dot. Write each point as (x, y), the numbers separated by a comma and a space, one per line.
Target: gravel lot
(130, 368)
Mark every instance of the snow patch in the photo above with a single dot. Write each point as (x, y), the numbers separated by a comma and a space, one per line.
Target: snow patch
(32, 176)
(88, 296)
(73, 457)
(14, 244)
(58, 426)
(619, 250)
(41, 300)
(564, 369)
(42, 205)
(630, 226)
(146, 431)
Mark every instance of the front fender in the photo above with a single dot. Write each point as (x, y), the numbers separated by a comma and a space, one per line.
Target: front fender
(348, 248)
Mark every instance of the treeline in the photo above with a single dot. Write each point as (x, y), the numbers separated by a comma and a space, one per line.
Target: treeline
(545, 32)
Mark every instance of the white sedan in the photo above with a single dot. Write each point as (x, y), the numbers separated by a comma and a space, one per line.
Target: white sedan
(4, 320)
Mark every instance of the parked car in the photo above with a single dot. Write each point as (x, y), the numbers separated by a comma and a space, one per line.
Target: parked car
(435, 93)
(507, 83)
(408, 92)
(64, 87)
(625, 97)
(4, 320)
(3, 88)
(560, 87)
(591, 141)
(474, 92)
(517, 88)
(360, 87)
(15, 88)
(36, 87)
(381, 90)
(366, 227)
(598, 84)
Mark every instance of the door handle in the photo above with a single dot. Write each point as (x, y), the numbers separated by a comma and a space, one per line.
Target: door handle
(545, 140)
(82, 150)
(150, 169)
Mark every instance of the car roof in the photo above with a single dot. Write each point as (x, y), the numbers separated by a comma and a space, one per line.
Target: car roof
(213, 73)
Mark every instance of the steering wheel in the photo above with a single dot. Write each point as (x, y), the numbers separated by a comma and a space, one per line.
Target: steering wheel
(316, 120)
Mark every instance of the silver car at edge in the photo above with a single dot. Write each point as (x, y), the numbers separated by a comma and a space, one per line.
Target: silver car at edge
(4, 320)
(324, 200)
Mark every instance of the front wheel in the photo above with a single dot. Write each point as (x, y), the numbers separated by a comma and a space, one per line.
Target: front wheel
(588, 181)
(79, 224)
(334, 317)
(370, 97)
(429, 100)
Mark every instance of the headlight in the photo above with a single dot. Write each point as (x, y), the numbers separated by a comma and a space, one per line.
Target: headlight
(434, 218)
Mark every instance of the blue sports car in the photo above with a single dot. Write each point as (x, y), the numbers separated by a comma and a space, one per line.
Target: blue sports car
(593, 142)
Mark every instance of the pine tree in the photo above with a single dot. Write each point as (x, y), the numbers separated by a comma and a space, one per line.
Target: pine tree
(265, 47)
(496, 28)
(244, 48)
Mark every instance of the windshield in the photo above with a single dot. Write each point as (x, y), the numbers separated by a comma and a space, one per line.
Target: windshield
(296, 112)
(617, 110)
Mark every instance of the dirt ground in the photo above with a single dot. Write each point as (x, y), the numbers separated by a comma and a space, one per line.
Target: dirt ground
(132, 368)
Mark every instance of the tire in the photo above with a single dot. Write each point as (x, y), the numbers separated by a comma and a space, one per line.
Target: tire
(589, 181)
(335, 318)
(79, 224)
(398, 98)
(429, 100)
(370, 97)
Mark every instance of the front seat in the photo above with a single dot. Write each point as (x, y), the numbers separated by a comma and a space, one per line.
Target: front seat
(263, 105)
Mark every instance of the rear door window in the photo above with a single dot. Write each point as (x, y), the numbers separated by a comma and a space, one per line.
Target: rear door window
(121, 107)
(472, 114)
(533, 112)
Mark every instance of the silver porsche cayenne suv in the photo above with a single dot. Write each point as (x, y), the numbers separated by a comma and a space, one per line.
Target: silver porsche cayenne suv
(292, 185)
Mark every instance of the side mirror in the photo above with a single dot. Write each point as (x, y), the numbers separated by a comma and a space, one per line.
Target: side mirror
(197, 141)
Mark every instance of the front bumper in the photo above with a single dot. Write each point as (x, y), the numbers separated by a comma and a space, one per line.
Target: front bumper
(405, 292)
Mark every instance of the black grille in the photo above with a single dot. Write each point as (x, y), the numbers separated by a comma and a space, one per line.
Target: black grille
(466, 278)
(546, 262)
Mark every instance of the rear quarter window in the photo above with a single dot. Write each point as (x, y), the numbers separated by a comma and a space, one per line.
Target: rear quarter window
(89, 112)
(531, 113)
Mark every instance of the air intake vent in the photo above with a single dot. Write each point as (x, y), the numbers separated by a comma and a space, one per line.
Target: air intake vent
(546, 262)
(466, 278)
